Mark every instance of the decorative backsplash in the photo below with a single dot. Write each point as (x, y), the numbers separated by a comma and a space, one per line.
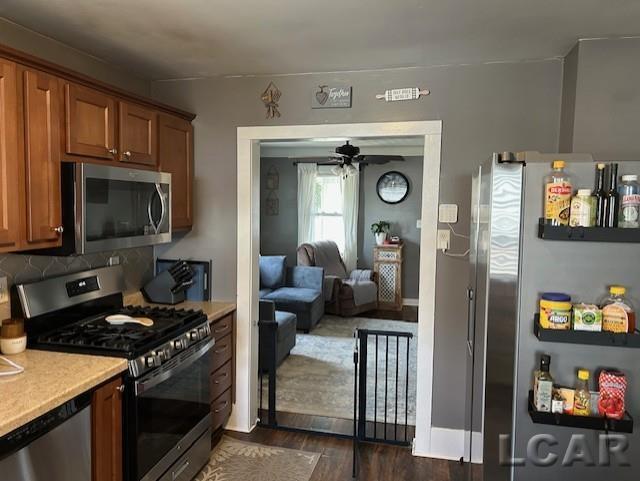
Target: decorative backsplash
(137, 265)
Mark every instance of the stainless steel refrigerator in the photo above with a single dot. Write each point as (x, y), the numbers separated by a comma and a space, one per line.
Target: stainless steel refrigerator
(510, 266)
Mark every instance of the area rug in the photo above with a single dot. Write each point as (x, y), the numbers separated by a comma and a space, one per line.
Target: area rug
(235, 460)
(317, 378)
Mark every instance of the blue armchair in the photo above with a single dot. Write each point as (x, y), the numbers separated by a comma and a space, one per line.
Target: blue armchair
(298, 289)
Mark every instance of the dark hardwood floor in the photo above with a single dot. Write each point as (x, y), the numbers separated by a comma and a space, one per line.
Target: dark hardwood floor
(408, 313)
(340, 427)
(378, 462)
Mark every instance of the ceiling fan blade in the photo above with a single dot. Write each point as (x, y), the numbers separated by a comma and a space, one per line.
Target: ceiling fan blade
(379, 159)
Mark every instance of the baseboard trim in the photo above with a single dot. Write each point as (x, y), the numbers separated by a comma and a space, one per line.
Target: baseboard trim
(450, 444)
(409, 301)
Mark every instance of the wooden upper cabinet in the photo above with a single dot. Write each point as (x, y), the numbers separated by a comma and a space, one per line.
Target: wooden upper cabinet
(90, 123)
(9, 160)
(138, 134)
(42, 159)
(106, 432)
(175, 154)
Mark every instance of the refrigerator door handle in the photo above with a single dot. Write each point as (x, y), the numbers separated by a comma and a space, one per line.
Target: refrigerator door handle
(471, 313)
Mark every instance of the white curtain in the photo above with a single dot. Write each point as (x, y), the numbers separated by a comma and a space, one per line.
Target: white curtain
(350, 197)
(306, 185)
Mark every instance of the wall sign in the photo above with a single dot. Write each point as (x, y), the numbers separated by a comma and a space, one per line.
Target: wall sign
(331, 97)
(410, 93)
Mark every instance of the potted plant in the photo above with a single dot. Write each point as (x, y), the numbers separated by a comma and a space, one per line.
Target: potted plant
(380, 229)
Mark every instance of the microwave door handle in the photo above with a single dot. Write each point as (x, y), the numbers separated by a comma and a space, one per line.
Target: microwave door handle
(150, 215)
(163, 205)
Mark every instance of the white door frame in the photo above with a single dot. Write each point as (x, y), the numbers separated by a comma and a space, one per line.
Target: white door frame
(243, 417)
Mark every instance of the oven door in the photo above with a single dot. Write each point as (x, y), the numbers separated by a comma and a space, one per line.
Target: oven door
(121, 208)
(170, 409)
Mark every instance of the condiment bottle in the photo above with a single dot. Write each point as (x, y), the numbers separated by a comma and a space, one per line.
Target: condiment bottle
(557, 195)
(543, 385)
(629, 192)
(582, 209)
(600, 195)
(613, 199)
(618, 314)
(582, 398)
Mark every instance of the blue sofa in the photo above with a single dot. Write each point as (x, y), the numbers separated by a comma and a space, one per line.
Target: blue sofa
(295, 289)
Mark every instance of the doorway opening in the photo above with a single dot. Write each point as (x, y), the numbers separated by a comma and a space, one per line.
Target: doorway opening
(245, 414)
(349, 210)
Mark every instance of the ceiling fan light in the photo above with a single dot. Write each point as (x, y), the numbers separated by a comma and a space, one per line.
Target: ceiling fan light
(351, 170)
(336, 170)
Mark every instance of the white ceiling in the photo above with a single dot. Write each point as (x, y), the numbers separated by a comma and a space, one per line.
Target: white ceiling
(162, 39)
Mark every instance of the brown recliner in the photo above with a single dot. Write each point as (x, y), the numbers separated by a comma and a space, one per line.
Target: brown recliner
(339, 295)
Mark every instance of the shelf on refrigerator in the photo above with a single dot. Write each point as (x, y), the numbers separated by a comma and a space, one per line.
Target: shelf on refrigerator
(598, 423)
(585, 337)
(587, 234)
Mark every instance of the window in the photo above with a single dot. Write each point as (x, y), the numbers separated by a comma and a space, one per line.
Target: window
(326, 214)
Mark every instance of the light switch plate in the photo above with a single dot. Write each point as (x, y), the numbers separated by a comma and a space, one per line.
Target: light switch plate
(4, 290)
(114, 260)
(448, 213)
(444, 239)
(419, 224)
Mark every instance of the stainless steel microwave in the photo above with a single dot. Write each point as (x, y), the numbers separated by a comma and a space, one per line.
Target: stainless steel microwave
(106, 208)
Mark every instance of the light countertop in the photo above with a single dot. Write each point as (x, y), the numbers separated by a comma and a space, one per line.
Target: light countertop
(49, 380)
(213, 309)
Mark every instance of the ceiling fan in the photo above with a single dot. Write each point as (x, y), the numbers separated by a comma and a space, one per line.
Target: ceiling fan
(346, 155)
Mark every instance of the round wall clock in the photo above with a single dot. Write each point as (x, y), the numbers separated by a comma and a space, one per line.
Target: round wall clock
(393, 187)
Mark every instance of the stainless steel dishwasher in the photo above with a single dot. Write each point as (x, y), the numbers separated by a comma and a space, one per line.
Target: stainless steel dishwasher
(53, 447)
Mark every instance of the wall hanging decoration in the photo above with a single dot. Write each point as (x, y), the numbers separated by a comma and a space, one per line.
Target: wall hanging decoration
(272, 183)
(410, 93)
(272, 204)
(270, 98)
(331, 97)
(273, 178)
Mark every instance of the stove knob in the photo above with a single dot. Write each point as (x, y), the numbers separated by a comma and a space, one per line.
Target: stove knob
(161, 355)
(193, 335)
(150, 361)
(178, 344)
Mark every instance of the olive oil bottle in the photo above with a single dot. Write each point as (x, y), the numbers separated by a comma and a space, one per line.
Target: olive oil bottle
(543, 385)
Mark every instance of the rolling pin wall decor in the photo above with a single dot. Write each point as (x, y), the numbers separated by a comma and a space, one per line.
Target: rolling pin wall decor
(410, 93)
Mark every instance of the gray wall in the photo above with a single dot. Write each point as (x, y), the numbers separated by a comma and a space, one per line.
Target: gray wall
(38, 45)
(402, 217)
(484, 108)
(606, 99)
(279, 233)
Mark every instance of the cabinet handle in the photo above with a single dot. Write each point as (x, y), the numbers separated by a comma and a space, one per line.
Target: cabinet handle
(127, 154)
(120, 388)
(58, 230)
(216, 411)
(113, 151)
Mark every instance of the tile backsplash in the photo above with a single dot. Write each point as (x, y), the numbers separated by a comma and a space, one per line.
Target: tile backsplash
(19, 268)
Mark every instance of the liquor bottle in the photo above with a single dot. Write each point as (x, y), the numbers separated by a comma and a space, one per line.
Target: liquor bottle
(613, 199)
(600, 197)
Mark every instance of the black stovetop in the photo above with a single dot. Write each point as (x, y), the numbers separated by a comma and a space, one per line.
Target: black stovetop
(94, 335)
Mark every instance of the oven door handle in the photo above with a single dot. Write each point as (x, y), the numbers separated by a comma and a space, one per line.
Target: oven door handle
(145, 385)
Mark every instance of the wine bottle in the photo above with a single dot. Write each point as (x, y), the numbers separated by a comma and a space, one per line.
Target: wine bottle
(613, 200)
(600, 197)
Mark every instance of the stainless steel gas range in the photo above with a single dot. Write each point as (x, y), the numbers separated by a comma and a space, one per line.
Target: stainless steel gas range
(167, 415)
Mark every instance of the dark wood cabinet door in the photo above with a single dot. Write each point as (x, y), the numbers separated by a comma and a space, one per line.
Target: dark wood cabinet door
(42, 159)
(106, 432)
(9, 160)
(138, 134)
(90, 123)
(175, 154)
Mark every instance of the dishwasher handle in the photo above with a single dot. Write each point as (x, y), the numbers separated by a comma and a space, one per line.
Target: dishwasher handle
(25, 435)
